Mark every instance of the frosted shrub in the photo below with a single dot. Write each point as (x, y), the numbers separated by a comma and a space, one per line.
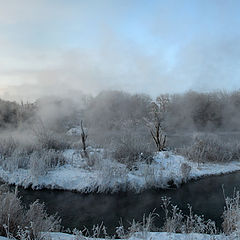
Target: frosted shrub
(112, 175)
(209, 148)
(96, 232)
(177, 222)
(11, 213)
(173, 217)
(40, 221)
(139, 230)
(50, 140)
(130, 149)
(16, 154)
(149, 174)
(42, 161)
(18, 159)
(231, 214)
(24, 224)
(7, 147)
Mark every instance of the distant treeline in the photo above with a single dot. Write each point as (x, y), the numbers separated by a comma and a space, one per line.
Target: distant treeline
(115, 110)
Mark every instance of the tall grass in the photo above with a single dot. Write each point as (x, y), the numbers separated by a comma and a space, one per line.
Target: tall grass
(17, 222)
(20, 223)
(210, 148)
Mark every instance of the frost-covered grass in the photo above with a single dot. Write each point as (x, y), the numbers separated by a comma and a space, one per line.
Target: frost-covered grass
(211, 148)
(17, 222)
(149, 236)
(21, 223)
(177, 226)
(49, 164)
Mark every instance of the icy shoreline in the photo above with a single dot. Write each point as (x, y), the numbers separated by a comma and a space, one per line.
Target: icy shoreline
(167, 169)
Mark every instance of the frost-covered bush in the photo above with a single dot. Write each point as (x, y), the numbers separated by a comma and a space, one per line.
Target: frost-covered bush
(42, 161)
(16, 221)
(138, 229)
(40, 221)
(112, 175)
(231, 214)
(131, 149)
(11, 213)
(210, 148)
(7, 146)
(152, 175)
(50, 140)
(95, 233)
(149, 175)
(18, 159)
(177, 222)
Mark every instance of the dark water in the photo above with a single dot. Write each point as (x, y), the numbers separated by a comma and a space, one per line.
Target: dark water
(78, 210)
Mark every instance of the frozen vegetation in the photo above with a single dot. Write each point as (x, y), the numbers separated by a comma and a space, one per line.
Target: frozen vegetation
(69, 170)
(118, 141)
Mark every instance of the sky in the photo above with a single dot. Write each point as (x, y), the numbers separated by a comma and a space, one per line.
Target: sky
(61, 47)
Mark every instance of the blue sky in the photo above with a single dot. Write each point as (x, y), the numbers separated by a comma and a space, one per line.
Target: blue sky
(56, 46)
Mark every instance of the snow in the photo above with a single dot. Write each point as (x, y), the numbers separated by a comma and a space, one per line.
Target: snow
(150, 236)
(109, 175)
(146, 236)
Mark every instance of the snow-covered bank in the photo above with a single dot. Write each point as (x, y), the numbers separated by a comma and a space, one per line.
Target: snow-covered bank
(146, 236)
(154, 236)
(108, 175)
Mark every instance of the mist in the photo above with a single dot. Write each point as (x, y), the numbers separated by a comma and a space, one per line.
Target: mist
(149, 48)
(132, 98)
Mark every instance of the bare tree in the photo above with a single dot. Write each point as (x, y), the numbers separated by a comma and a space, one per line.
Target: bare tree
(156, 128)
(84, 139)
(158, 137)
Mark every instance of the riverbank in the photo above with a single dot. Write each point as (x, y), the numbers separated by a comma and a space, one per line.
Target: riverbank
(154, 236)
(146, 236)
(166, 170)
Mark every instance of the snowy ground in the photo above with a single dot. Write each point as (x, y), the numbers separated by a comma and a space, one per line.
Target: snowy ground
(155, 236)
(148, 236)
(109, 175)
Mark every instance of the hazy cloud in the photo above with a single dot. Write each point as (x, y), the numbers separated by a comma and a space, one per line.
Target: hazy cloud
(61, 47)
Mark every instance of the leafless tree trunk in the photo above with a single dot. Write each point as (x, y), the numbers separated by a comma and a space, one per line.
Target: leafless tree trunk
(84, 139)
(155, 124)
(158, 137)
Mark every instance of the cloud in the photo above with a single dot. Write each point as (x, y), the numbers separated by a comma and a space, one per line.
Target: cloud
(202, 65)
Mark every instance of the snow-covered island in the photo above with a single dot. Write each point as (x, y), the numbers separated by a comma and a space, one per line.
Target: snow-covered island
(106, 175)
